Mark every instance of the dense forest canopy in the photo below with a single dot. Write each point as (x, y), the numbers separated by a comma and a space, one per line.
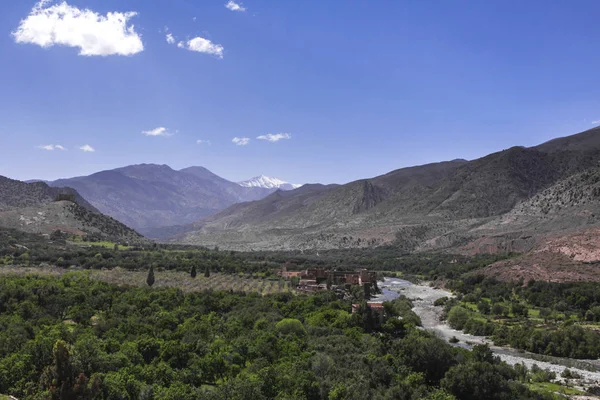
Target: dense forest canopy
(76, 338)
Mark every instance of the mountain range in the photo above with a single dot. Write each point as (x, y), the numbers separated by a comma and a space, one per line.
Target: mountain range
(150, 197)
(531, 200)
(513, 200)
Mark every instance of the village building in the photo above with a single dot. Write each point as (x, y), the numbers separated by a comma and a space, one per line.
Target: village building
(316, 279)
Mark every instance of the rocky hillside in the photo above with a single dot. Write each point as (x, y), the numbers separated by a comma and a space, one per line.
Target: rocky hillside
(442, 205)
(579, 190)
(33, 207)
(17, 194)
(148, 196)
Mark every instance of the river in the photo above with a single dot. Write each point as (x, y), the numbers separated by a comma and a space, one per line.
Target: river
(423, 297)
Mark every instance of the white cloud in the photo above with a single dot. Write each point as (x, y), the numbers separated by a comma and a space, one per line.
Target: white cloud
(233, 6)
(241, 141)
(202, 45)
(87, 148)
(170, 38)
(94, 34)
(200, 141)
(275, 137)
(160, 131)
(51, 147)
(596, 122)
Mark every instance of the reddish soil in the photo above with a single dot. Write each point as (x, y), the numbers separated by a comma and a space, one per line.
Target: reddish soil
(543, 266)
(581, 246)
(493, 244)
(571, 257)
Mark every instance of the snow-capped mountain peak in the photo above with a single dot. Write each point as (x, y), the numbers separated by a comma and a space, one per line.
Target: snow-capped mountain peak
(268, 183)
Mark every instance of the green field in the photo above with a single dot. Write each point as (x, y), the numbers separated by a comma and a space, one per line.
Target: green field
(548, 387)
(104, 244)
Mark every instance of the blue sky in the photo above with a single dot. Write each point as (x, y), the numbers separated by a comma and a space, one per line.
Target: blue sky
(360, 87)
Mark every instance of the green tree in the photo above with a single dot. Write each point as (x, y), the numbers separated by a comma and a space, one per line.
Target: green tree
(150, 278)
(193, 272)
(482, 353)
(292, 326)
(59, 379)
(483, 307)
(428, 355)
(367, 289)
(476, 381)
(498, 310)
(458, 317)
(519, 310)
(294, 281)
(206, 272)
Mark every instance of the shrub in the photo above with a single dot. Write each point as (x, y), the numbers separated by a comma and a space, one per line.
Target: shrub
(441, 301)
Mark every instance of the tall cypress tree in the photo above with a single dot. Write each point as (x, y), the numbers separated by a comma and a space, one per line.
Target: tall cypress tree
(367, 289)
(193, 271)
(206, 272)
(150, 278)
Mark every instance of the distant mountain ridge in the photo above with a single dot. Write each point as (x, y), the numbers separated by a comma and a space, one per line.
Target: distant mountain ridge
(436, 206)
(149, 196)
(268, 183)
(39, 208)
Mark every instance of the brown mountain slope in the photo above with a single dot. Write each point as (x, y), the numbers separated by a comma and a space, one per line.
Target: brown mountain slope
(583, 141)
(558, 231)
(32, 207)
(442, 205)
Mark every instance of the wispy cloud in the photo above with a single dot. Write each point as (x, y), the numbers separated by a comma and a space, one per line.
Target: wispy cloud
(51, 147)
(596, 122)
(275, 137)
(87, 148)
(202, 45)
(200, 141)
(94, 34)
(241, 141)
(233, 6)
(170, 38)
(160, 131)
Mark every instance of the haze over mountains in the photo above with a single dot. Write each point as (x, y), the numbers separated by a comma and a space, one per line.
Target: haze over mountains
(149, 196)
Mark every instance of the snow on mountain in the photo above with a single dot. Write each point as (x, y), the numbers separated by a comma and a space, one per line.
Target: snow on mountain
(268, 183)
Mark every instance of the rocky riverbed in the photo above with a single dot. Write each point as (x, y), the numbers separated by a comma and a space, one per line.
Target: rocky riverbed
(423, 296)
